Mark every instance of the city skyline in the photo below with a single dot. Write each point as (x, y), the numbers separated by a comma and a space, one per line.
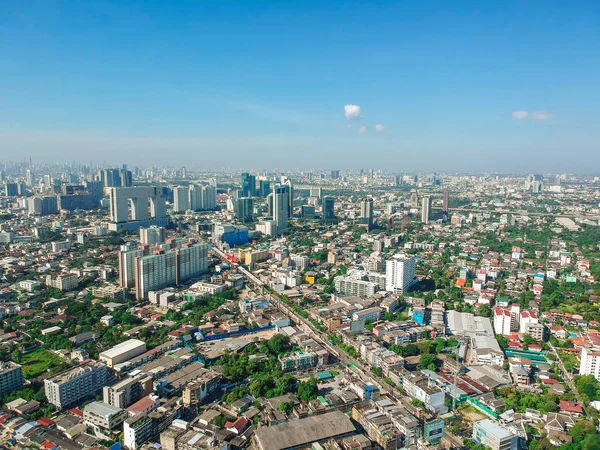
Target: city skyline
(506, 88)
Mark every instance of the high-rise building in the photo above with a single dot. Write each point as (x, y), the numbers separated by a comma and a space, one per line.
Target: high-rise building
(195, 197)
(366, 213)
(72, 385)
(281, 207)
(29, 179)
(248, 185)
(127, 258)
(184, 172)
(11, 377)
(126, 391)
(168, 268)
(425, 209)
(181, 199)
(397, 180)
(244, 209)
(155, 272)
(152, 235)
(414, 199)
(535, 183)
(136, 199)
(209, 198)
(400, 273)
(334, 174)
(264, 188)
(445, 201)
(328, 208)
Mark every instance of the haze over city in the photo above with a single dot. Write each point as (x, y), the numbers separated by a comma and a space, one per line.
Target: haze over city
(508, 86)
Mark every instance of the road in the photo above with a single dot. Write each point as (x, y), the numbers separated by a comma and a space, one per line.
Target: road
(361, 371)
(566, 375)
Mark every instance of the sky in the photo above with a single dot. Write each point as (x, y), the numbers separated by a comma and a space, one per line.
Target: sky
(399, 85)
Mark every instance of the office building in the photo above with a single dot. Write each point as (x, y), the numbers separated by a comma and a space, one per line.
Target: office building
(366, 213)
(136, 199)
(195, 392)
(122, 352)
(400, 274)
(11, 377)
(73, 385)
(425, 209)
(244, 209)
(535, 183)
(264, 188)
(328, 208)
(307, 212)
(248, 185)
(181, 199)
(334, 174)
(494, 436)
(231, 234)
(153, 235)
(281, 207)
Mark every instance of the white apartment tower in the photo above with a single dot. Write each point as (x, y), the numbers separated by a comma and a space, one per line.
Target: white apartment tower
(400, 273)
(181, 201)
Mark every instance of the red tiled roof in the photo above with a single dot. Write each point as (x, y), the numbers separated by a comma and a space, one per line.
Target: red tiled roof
(45, 422)
(571, 407)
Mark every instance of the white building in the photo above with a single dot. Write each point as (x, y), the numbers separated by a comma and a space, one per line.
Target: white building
(103, 417)
(29, 285)
(181, 199)
(590, 362)
(502, 321)
(72, 385)
(152, 235)
(400, 273)
(493, 435)
(122, 352)
(527, 317)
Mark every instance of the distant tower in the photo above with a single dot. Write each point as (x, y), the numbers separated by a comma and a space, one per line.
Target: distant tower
(414, 199)
(425, 209)
(366, 213)
(281, 207)
(445, 202)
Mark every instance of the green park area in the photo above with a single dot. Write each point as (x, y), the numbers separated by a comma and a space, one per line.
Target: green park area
(38, 362)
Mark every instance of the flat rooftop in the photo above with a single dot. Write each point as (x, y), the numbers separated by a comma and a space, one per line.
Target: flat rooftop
(121, 348)
(301, 432)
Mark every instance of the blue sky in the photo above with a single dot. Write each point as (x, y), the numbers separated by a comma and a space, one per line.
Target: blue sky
(503, 86)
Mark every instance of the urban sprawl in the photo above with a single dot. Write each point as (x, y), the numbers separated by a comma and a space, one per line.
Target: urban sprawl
(148, 308)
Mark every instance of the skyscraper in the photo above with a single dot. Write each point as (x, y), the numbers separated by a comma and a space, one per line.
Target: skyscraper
(366, 213)
(264, 188)
(248, 185)
(335, 174)
(445, 201)
(328, 208)
(29, 178)
(244, 209)
(281, 207)
(425, 209)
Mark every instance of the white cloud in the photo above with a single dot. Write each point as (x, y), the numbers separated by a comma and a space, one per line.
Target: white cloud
(520, 115)
(542, 115)
(379, 127)
(352, 111)
(362, 129)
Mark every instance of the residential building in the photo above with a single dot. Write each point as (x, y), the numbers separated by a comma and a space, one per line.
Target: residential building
(425, 209)
(152, 235)
(73, 385)
(590, 362)
(102, 417)
(11, 377)
(400, 273)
